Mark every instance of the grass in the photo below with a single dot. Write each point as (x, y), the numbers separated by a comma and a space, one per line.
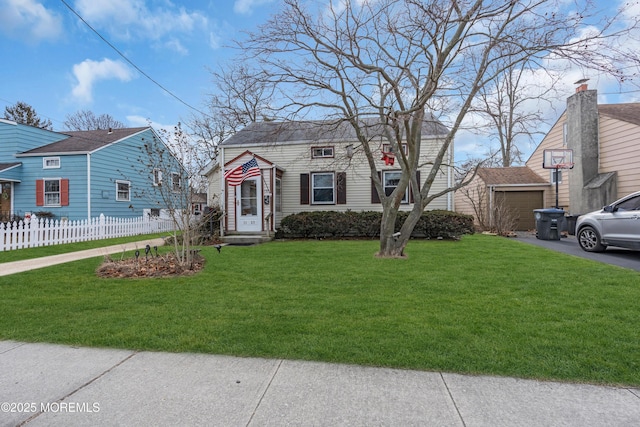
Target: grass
(29, 253)
(482, 305)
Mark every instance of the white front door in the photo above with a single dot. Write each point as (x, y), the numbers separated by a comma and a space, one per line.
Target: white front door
(249, 205)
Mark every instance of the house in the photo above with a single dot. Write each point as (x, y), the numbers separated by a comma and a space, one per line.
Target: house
(300, 166)
(82, 174)
(598, 151)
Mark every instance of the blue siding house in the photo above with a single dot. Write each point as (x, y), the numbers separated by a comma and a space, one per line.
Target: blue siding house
(82, 174)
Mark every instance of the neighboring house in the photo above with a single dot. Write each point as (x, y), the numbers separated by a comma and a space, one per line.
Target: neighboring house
(519, 190)
(82, 174)
(311, 166)
(198, 203)
(604, 142)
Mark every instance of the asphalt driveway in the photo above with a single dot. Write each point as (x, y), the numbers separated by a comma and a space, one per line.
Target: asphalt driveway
(569, 245)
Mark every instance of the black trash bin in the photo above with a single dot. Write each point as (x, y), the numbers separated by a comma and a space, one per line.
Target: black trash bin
(549, 223)
(571, 224)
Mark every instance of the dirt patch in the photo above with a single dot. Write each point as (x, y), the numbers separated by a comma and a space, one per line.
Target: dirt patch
(151, 266)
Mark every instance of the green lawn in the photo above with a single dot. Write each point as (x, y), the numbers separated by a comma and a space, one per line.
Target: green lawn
(484, 305)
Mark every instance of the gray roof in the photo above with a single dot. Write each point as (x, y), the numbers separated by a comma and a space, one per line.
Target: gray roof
(510, 176)
(5, 166)
(314, 131)
(629, 112)
(85, 141)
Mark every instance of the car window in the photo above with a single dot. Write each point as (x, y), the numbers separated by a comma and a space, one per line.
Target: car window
(631, 204)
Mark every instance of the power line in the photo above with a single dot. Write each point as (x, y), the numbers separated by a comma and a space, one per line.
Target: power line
(131, 62)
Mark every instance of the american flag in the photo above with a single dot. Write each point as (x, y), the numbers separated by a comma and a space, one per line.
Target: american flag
(238, 174)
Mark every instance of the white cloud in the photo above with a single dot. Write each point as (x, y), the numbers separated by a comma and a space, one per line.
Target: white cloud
(245, 7)
(88, 72)
(29, 20)
(126, 19)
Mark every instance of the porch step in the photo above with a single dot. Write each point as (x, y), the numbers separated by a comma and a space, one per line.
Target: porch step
(245, 239)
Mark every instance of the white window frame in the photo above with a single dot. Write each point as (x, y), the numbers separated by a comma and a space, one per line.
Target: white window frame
(553, 174)
(157, 177)
(52, 193)
(405, 198)
(333, 189)
(54, 160)
(176, 182)
(128, 184)
(322, 152)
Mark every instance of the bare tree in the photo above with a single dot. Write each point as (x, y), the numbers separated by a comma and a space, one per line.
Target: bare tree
(406, 60)
(240, 97)
(512, 104)
(87, 120)
(24, 113)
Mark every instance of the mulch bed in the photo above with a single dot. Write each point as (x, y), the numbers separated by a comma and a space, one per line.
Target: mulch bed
(149, 266)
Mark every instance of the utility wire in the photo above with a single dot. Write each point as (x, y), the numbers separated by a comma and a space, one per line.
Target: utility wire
(131, 62)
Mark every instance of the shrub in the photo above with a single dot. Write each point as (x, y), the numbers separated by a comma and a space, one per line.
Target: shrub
(332, 224)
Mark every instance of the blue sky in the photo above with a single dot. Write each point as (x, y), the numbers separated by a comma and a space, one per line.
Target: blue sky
(57, 64)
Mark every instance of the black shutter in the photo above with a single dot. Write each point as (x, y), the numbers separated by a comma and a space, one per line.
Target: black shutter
(304, 188)
(341, 188)
(375, 198)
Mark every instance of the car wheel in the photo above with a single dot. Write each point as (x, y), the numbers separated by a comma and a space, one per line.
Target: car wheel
(589, 240)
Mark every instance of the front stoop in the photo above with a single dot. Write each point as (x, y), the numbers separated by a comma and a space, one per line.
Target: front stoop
(246, 239)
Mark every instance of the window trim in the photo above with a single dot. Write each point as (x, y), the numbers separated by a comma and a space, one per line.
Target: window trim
(44, 162)
(128, 183)
(553, 174)
(45, 192)
(386, 148)
(174, 188)
(313, 188)
(157, 177)
(405, 198)
(323, 155)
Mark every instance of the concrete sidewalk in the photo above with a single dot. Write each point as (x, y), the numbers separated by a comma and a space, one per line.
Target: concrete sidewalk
(31, 264)
(56, 385)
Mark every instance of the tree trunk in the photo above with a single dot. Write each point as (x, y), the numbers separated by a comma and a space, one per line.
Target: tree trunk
(392, 243)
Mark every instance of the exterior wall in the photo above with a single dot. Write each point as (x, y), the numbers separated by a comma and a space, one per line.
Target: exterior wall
(474, 190)
(72, 168)
(296, 159)
(127, 161)
(15, 138)
(553, 140)
(619, 153)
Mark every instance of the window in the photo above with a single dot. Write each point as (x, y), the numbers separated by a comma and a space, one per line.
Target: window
(320, 152)
(175, 181)
(556, 173)
(386, 148)
(52, 192)
(123, 191)
(390, 181)
(322, 188)
(157, 177)
(51, 163)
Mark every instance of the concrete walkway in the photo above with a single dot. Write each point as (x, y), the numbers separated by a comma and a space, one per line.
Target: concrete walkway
(32, 264)
(57, 385)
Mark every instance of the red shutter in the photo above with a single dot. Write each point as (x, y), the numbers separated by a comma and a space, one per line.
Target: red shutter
(304, 188)
(64, 192)
(40, 192)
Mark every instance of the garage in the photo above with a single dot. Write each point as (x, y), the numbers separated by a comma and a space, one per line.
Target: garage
(521, 204)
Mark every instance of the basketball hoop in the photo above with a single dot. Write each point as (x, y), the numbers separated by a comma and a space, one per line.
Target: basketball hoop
(563, 166)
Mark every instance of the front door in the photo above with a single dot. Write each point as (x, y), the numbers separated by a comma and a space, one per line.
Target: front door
(249, 205)
(5, 201)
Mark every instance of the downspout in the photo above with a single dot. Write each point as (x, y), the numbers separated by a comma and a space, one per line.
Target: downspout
(89, 187)
(491, 189)
(223, 197)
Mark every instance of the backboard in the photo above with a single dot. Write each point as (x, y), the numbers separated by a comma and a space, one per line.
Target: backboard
(557, 159)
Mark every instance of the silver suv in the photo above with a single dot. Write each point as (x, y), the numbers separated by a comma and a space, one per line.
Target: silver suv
(617, 224)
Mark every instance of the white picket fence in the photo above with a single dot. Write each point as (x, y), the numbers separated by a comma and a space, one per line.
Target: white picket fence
(35, 232)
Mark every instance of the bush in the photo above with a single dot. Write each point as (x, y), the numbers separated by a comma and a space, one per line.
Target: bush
(332, 224)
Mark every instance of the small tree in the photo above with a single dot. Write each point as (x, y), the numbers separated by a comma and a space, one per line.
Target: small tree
(166, 162)
(24, 113)
(87, 120)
